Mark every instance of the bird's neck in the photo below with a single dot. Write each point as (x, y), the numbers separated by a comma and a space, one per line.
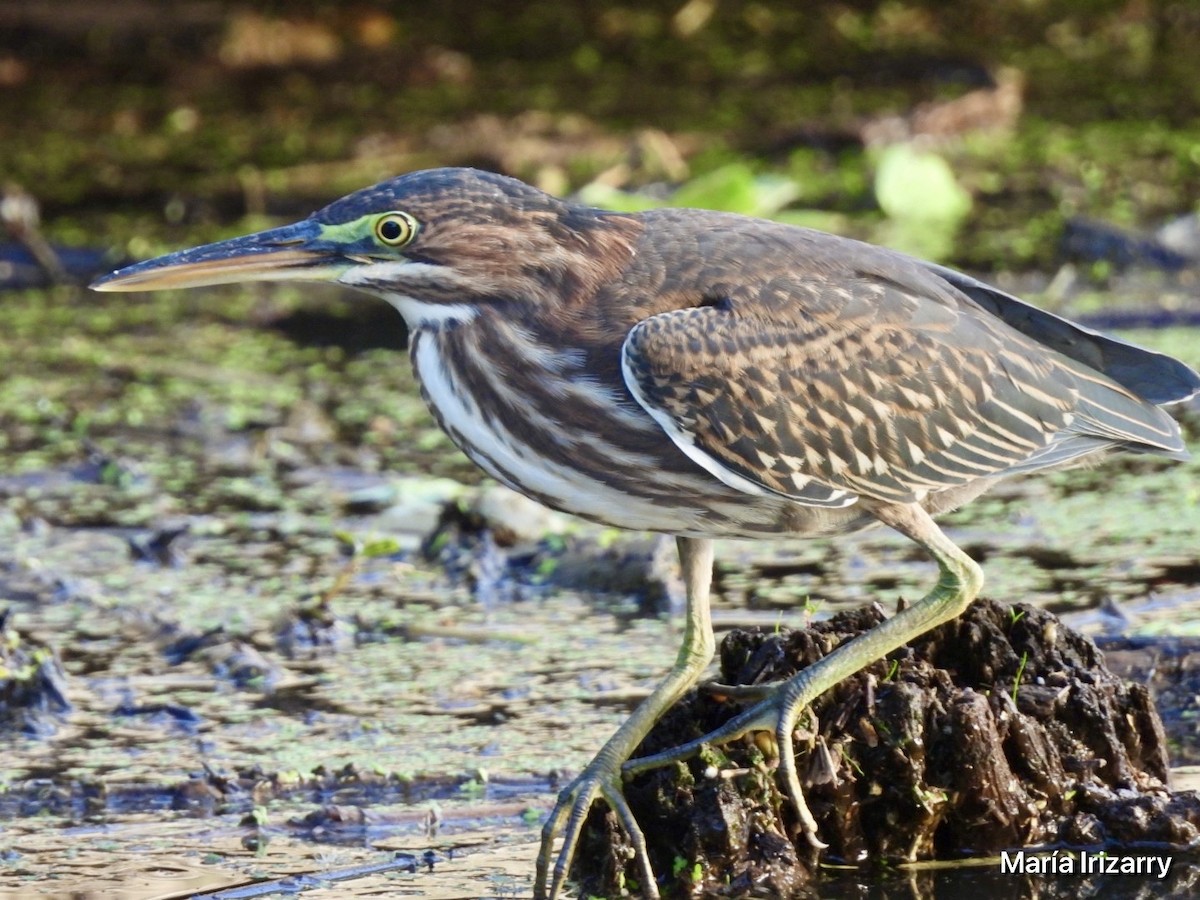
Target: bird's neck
(424, 315)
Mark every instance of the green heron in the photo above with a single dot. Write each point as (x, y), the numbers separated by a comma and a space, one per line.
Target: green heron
(706, 375)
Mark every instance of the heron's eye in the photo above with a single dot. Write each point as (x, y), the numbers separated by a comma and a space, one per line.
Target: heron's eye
(395, 229)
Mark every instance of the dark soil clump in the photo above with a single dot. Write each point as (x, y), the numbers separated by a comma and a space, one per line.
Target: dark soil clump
(33, 685)
(999, 730)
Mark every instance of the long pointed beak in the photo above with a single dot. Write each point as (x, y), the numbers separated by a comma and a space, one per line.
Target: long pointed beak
(291, 253)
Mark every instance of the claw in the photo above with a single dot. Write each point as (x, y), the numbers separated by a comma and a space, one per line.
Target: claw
(549, 832)
(573, 805)
(745, 693)
(791, 778)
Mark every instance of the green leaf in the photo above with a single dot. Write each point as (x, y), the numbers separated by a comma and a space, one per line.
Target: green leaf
(380, 547)
(729, 188)
(607, 197)
(916, 184)
(735, 188)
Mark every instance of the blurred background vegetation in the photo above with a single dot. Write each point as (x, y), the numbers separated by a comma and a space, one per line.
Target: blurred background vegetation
(995, 136)
(200, 491)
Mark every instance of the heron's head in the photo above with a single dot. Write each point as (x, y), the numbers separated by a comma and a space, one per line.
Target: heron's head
(436, 243)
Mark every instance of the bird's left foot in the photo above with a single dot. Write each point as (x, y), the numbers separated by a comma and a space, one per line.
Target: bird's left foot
(600, 779)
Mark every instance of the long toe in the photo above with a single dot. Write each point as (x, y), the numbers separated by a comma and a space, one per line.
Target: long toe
(776, 713)
(787, 707)
(742, 693)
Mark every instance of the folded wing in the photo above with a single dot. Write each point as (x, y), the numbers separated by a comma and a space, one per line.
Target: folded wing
(826, 390)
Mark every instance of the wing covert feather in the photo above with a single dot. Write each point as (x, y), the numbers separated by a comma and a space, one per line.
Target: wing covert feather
(825, 392)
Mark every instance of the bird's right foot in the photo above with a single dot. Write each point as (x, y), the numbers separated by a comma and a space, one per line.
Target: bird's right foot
(600, 779)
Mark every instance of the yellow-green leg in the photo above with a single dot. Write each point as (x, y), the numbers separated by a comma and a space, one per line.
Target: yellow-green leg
(602, 776)
(960, 582)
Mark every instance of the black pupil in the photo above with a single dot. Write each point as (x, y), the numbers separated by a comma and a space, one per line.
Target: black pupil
(391, 230)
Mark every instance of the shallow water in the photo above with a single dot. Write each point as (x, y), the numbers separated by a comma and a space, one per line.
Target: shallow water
(246, 666)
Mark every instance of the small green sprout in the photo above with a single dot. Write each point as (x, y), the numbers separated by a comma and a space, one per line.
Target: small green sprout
(1020, 672)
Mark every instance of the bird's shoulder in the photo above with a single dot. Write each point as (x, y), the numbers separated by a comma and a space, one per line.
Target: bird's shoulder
(776, 272)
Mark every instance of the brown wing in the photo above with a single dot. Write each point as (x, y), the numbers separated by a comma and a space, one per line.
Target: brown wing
(828, 391)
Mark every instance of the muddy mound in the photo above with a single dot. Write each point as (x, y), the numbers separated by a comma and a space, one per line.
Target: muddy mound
(999, 730)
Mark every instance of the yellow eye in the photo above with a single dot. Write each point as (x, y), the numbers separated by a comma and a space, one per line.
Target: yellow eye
(395, 229)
